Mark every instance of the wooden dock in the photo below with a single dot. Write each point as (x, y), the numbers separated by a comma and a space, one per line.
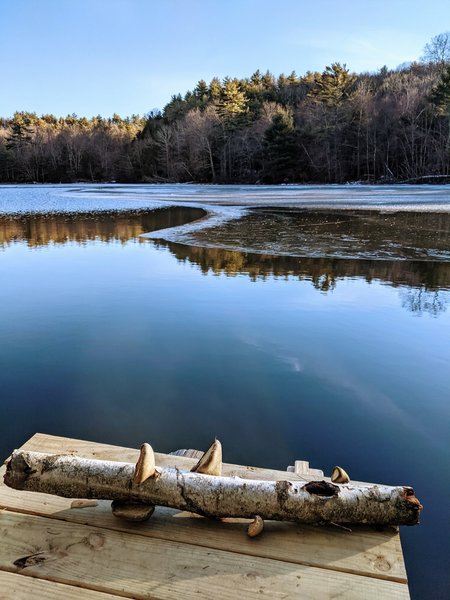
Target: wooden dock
(49, 550)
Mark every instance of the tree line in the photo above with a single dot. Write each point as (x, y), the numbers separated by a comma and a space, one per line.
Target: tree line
(333, 126)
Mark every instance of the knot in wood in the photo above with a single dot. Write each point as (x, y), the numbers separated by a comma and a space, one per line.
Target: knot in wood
(322, 488)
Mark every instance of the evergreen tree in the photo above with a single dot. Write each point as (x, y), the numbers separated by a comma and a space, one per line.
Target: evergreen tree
(116, 120)
(201, 92)
(282, 81)
(268, 81)
(20, 131)
(256, 80)
(215, 89)
(280, 149)
(292, 78)
(234, 101)
(440, 95)
(334, 85)
(175, 109)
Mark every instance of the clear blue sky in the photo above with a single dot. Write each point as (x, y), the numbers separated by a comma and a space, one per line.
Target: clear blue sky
(129, 56)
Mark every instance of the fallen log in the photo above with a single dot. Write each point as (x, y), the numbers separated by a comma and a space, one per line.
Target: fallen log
(213, 496)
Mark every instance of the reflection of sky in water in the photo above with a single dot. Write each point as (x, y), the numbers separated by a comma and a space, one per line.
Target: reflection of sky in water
(351, 363)
(126, 342)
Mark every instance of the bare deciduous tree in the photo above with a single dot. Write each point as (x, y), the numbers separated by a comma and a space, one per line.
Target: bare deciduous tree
(437, 50)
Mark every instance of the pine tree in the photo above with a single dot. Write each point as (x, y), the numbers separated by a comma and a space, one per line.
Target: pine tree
(201, 92)
(282, 81)
(215, 89)
(334, 85)
(440, 95)
(268, 81)
(256, 80)
(234, 101)
(292, 78)
(175, 109)
(281, 149)
(20, 131)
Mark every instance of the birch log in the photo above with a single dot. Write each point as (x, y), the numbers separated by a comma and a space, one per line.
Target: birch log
(213, 496)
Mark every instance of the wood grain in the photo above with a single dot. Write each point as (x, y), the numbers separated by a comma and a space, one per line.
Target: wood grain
(133, 566)
(18, 587)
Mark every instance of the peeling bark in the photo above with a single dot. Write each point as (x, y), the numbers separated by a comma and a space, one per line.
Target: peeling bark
(213, 496)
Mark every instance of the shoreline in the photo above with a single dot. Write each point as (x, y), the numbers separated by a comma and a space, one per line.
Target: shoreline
(426, 180)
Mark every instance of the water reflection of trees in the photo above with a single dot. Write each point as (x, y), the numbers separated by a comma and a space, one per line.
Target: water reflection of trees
(40, 230)
(424, 285)
(421, 300)
(323, 272)
(365, 234)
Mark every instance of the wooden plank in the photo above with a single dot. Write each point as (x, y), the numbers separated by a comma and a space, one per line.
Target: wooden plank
(302, 468)
(189, 452)
(365, 551)
(18, 587)
(136, 567)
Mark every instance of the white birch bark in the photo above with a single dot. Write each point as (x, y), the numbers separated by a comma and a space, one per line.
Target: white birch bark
(213, 496)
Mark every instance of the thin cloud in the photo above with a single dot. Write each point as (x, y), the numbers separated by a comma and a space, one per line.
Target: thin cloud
(386, 47)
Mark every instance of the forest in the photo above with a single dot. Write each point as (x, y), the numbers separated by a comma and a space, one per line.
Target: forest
(333, 126)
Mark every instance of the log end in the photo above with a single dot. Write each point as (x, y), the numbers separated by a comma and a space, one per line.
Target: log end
(412, 504)
(17, 470)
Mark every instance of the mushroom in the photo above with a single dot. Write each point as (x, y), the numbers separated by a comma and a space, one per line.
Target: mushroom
(132, 511)
(145, 466)
(339, 475)
(211, 462)
(255, 527)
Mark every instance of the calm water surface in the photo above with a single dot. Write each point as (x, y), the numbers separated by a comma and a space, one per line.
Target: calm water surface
(120, 339)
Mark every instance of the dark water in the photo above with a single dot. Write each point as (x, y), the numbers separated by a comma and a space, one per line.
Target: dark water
(117, 339)
(366, 234)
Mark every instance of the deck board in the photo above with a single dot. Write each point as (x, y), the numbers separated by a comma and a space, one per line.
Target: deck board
(288, 560)
(17, 587)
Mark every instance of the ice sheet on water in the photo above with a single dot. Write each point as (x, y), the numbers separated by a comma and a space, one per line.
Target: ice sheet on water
(82, 197)
(358, 221)
(333, 233)
(45, 199)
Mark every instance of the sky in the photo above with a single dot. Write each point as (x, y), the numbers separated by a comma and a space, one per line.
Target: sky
(128, 57)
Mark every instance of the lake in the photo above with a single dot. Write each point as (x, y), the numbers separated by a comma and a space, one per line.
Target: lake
(287, 328)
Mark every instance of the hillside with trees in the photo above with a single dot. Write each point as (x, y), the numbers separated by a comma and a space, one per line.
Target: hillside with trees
(329, 127)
